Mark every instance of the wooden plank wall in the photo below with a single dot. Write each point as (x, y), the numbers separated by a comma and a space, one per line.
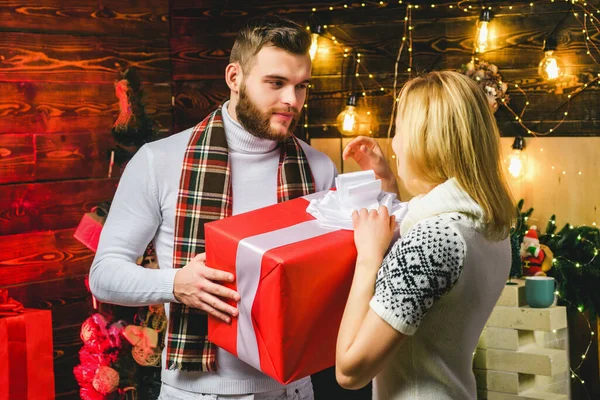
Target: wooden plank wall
(58, 63)
(202, 32)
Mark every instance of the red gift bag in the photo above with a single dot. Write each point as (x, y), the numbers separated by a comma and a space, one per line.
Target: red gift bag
(3, 361)
(28, 369)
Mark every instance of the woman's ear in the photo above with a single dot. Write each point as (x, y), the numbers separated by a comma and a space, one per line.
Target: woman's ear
(233, 76)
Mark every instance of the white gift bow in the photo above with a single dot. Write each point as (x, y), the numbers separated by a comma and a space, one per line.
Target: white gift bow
(354, 190)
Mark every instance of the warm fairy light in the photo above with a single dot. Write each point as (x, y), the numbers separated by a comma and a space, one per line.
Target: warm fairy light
(347, 120)
(482, 37)
(516, 166)
(314, 45)
(549, 68)
(517, 160)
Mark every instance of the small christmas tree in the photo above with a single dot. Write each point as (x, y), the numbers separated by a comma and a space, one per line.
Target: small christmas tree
(576, 262)
(120, 356)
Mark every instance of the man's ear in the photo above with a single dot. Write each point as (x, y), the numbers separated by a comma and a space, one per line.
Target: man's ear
(233, 76)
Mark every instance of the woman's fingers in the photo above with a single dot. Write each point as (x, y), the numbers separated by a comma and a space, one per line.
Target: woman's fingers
(355, 145)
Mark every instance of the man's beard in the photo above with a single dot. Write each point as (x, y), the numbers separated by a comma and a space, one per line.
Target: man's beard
(259, 123)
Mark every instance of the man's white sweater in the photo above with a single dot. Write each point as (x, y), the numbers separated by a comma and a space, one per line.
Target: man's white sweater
(143, 209)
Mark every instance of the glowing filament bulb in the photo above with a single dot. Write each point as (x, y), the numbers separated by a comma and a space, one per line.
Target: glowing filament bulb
(314, 45)
(482, 37)
(549, 68)
(517, 159)
(347, 121)
(483, 33)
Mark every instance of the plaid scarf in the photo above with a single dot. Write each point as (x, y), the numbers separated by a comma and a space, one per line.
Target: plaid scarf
(204, 196)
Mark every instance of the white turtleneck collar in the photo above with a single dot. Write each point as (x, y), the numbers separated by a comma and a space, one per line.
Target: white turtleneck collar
(444, 198)
(239, 140)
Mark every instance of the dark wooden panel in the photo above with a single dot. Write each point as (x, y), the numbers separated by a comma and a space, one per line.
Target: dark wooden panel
(543, 113)
(225, 17)
(519, 43)
(42, 256)
(240, 4)
(189, 18)
(72, 156)
(200, 57)
(17, 162)
(67, 344)
(206, 56)
(55, 157)
(552, 106)
(439, 44)
(68, 299)
(433, 37)
(507, 128)
(40, 57)
(445, 44)
(127, 18)
(195, 100)
(45, 107)
(569, 128)
(52, 205)
(72, 394)
(324, 106)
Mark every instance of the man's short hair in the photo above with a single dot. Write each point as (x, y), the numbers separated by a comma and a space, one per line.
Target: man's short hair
(268, 31)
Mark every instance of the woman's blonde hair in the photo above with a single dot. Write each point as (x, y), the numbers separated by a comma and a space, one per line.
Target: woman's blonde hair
(450, 132)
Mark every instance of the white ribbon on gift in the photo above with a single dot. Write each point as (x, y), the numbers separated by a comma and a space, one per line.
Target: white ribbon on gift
(333, 211)
(354, 190)
(248, 264)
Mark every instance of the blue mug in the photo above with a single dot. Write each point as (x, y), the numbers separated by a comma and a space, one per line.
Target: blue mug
(539, 291)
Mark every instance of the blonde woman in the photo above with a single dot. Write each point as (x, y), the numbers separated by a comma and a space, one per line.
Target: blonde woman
(414, 316)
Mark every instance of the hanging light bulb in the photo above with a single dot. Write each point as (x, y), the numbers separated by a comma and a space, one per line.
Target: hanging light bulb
(483, 33)
(316, 31)
(347, 121)
(517, 161)
(550, 67)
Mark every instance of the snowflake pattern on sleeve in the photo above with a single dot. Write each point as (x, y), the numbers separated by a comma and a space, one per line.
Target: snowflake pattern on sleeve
(419, 270)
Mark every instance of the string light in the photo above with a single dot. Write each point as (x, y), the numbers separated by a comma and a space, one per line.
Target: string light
(580, 309)
(347, 121)
(408, 21)
(316, 32)
(550, 68)
(482, 32)
(517, 165)
(589, 20)
(407, 37)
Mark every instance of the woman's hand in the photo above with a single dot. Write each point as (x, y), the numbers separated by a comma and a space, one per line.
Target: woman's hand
(365, 341)
(373, 232)
(367, 153)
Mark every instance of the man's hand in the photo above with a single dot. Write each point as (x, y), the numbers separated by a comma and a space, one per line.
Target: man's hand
(367, 153)
(196, 285)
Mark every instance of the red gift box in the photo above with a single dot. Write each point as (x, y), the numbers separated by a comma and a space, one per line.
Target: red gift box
(89, 229)
(28, 369)
(293, 277)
